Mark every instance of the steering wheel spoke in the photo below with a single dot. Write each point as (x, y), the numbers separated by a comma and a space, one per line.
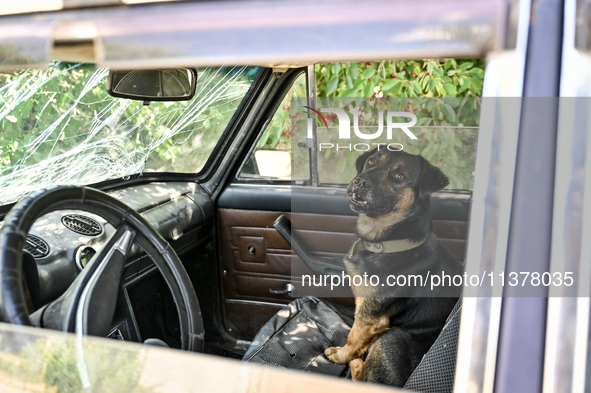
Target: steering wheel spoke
(98, 300)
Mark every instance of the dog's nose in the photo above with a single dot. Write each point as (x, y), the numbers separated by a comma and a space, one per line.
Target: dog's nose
(360, 183)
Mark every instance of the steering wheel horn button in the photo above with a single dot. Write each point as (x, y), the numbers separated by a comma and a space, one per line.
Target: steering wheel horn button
(82, 224)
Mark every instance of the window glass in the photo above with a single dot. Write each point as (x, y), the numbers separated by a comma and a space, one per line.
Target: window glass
(272, 157)
(59, 126)
(443, 95)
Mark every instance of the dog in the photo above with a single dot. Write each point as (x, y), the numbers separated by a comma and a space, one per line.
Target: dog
(398, 324)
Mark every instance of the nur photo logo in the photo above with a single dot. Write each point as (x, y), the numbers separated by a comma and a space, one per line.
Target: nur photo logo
(390, 123)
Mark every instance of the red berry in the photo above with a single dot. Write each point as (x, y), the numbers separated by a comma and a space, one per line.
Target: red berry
(394, 76)
(414, 73)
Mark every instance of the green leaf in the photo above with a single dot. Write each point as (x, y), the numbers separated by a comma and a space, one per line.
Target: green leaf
(453, 101)
(416, 87)
(436, 115)
(431, 66)
(421, 121)
(439, 88)
(390, 83)
(432, 83)
(332, 85)
(354, 70)
(397, 89)
(336, 68)
(368, 73)
(369, 89)
(349, 81)
(450, 63)
(467, 65)
(449, 113)
(359, 83)
(450, 89)
(424, 83)
(476, 72)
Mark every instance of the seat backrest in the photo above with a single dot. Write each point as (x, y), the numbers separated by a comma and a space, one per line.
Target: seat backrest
(436, 371)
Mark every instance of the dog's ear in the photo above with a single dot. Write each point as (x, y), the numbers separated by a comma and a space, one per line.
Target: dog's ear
(432, 179)
(362, 158)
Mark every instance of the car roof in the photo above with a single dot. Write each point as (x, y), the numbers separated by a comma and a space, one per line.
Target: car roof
(277, 34)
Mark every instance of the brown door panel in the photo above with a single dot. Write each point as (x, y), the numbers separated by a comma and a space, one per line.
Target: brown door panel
(254, 259)
(258, 287)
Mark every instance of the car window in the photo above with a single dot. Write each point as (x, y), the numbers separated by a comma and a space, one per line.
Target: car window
(271, 158)
(59, 126)
(443, 96)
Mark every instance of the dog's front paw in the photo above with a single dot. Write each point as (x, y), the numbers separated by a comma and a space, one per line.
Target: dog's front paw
(336, 355)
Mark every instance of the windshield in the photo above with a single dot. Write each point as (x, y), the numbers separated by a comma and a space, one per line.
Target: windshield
(59, 126)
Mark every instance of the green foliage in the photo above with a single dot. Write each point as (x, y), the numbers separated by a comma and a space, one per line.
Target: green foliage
(413, 78)
(444, 94)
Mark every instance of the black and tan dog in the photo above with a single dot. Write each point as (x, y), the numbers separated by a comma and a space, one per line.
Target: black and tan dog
(391, 194)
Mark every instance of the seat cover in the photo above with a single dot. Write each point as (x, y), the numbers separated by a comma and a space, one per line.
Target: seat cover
(296, 337)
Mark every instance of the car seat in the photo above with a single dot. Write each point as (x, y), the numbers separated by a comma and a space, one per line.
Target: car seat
(295, 338)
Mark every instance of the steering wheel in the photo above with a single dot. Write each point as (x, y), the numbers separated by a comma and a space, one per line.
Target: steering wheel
(88, 305)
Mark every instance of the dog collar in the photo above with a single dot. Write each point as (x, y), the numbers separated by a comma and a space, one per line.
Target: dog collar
(385, 247)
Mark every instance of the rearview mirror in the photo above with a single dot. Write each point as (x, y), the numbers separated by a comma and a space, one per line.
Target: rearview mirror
(176, 84)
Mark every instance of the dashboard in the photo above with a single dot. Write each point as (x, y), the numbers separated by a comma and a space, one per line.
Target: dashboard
(61, 243)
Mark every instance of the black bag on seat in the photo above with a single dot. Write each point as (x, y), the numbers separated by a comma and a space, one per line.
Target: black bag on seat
(296, 337)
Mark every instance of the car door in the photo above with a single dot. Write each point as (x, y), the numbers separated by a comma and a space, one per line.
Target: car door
(259, 272)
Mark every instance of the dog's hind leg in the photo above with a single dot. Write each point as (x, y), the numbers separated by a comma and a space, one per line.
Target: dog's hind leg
(356, 366)
(392, 358)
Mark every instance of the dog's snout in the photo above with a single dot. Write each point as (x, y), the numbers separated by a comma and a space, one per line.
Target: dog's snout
(360, 182)
(356, 185)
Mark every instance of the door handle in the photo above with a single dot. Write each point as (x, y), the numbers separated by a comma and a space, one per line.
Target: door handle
(288, 289)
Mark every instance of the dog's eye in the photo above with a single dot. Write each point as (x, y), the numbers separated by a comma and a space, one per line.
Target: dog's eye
(371, 162)
(399, 177)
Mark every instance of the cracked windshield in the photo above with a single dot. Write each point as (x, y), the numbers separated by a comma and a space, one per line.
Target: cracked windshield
(59, 126)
